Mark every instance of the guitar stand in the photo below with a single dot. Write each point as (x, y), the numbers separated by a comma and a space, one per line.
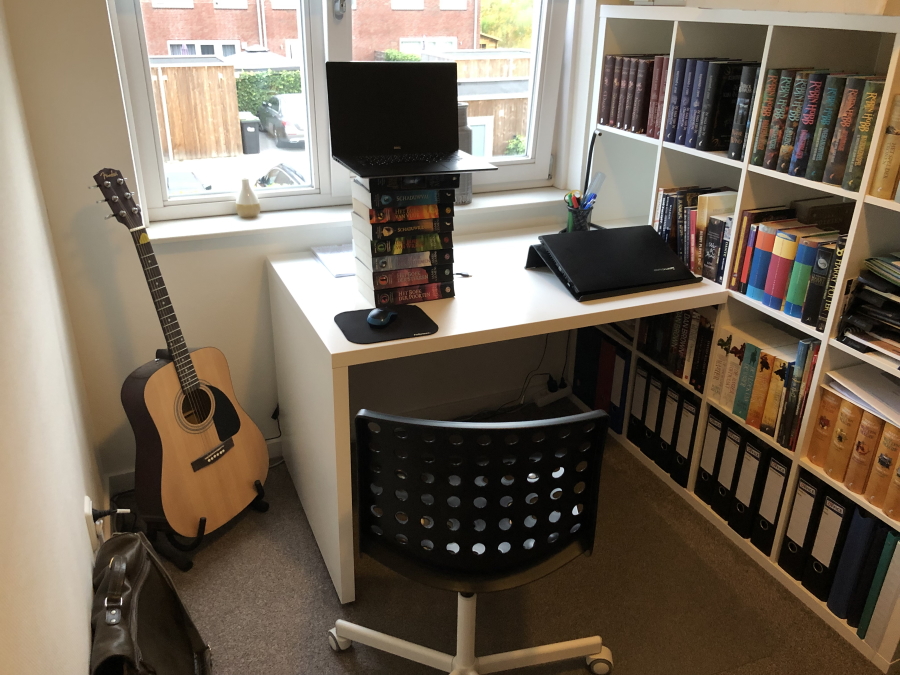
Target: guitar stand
(259, 503)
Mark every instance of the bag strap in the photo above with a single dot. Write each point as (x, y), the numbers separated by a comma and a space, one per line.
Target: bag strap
(113, 601)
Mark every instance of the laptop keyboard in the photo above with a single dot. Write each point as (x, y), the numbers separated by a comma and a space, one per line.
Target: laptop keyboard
(387, 160)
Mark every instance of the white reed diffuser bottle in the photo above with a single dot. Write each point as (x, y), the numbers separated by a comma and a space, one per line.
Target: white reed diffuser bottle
(247, 203)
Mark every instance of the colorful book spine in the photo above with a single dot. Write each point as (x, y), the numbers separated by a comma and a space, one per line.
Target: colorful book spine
(747, 264)
(779, 117)
(818, 280)
(766, 107)
(439, 225)
(609, 66)
(414, 276)
(843, 131)
(673, 111)
(412, 244)
(796, 290)
(884, 466)
(406, 260)
(863, 453)
(793, 393)
(792, 120)
(405, 213)
(614, 91)
(888, 164)
(760, 392)
(862, 136)
(769, 420)
(402, 198)
(784, 251)
(742, 108)
(762, 257)
(723, 253)
(410, 294)
(715, 238)
(823, 428)
(828, 115)
(684, 106)
(815, 87)
(697, 91)
(745, 380)
(832, 283)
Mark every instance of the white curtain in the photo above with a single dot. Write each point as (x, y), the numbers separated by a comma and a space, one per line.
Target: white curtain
(46, 466)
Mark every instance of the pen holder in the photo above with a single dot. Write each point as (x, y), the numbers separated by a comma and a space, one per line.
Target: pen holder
(579, 219)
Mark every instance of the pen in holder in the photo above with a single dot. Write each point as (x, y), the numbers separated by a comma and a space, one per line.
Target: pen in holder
(579, 219)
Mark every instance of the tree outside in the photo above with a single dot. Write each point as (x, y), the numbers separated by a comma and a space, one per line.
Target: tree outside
(508, 20)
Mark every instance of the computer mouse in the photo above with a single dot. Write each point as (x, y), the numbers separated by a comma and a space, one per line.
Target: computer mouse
(379, 318)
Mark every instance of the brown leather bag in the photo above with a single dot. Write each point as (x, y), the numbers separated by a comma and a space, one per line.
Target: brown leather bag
(139, 625)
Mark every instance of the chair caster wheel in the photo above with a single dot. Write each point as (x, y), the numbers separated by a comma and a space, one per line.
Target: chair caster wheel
(338, 644)
(600, 663)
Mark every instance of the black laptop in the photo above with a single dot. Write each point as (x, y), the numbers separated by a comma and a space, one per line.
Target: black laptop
(396, 118)
(606, 263)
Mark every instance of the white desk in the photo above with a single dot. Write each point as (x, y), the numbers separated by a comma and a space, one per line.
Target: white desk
(500, 301)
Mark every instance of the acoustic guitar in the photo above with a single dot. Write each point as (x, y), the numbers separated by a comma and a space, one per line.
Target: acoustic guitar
(198, 453)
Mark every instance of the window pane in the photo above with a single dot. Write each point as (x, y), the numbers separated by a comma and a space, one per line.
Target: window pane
(493, 43)
(211, 89)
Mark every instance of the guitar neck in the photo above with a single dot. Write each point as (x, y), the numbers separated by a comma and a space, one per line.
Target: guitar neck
(178, 350)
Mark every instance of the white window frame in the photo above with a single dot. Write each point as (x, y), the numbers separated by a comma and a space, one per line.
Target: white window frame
(217, 46)
(403, 5)
(454, 5)
(230, 4)
(172, 4)
(321, 35)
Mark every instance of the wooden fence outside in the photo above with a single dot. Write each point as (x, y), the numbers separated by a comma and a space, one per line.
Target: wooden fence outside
(510, 119)
(197, 111)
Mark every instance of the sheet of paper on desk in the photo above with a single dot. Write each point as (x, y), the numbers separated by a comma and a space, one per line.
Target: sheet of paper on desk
(337, 259)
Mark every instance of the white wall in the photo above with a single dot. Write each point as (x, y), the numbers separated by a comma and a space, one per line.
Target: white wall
(46, 465)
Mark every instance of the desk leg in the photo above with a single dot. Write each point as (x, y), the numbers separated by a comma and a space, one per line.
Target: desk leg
(315, 421)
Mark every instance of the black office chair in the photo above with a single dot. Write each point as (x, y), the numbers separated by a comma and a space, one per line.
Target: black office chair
(475, 507)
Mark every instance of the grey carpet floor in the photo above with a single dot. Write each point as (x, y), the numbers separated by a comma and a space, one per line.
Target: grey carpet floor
(666, 591)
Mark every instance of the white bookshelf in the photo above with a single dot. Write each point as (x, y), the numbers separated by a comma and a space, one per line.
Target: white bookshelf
(637, 165)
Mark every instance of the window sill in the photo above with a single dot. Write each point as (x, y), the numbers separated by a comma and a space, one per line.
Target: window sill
(488, 211)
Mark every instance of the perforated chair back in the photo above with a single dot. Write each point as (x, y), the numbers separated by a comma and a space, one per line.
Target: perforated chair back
(476, 507)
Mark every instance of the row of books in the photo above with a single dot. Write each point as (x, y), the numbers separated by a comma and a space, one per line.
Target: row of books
(710, 100)
(816, 124)
(742, 479)
(663, 421)
(856, 447)
(871, 319)
(887, 166)
(762, 375)
(632, 92)
(788, 258)
(680, 342)
(697, 223)
(601, 374)
(846, 558)
(403, 237)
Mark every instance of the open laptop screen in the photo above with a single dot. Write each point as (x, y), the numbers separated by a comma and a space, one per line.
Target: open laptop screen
(384, 107)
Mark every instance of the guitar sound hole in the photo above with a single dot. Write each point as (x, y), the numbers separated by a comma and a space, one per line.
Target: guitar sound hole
(196, 407)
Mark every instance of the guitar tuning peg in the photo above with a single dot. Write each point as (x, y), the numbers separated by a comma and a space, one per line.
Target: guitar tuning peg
(120, 181)
(100, 201)
(111, 215)
(93, 187)
(135, 210)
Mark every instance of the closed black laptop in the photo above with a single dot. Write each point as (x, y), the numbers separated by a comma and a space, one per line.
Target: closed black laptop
(606, 263)
(395, 118)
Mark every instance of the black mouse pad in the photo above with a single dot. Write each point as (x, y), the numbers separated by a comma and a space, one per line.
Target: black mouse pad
(409, 322)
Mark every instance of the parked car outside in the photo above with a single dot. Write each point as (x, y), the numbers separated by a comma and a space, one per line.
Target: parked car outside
(284, 117)
(184, 183)
(282, 175)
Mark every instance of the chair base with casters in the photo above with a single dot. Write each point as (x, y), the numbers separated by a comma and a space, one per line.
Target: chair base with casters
(597, 657)
(472, 508)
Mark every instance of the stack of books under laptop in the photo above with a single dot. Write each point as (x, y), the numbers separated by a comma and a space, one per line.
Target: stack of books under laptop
(403, 237)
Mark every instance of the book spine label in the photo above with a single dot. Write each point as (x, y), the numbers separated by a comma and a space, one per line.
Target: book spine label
(684, 107)
(823, 428)
(675, 90)
(446, 181)
(745, 380)
(870, 428)
(740, 247)
(641, 96)
(756, 408)
(888, 165)
(410, 294)
(832, 283)
(725, 106)
(884, 465)
(401, 198)
(630, 89)
(773, 397)
(439, 225)
(414, 276)
(405, 213)
(779, 117)
(698, 89)
(767, 106)
(862, 136)
(609, 65)
(807, 126)
(614, 92)
(743, 105)
(792, 121)
(818, 280)
(843, 132)
(406, 260)
(715, 232)
(828, 114)
(412, 244)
